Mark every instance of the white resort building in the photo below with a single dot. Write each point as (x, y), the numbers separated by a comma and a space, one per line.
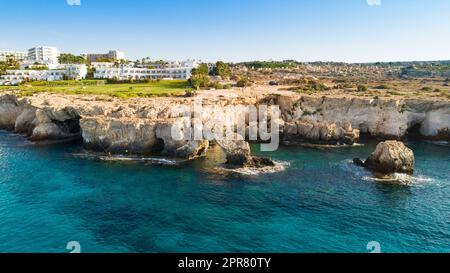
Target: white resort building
(101, 65)
(15, 55)
(41, 63)
(178, 70)
(114, 55)
(43, 54)
(69, 72)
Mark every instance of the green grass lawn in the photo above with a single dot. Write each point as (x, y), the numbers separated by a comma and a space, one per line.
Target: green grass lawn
(125, 90)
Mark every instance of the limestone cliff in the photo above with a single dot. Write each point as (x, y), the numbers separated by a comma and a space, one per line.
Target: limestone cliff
(144, 125)
(388, 118)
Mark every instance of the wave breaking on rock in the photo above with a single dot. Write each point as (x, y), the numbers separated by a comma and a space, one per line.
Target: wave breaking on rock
(278, 166)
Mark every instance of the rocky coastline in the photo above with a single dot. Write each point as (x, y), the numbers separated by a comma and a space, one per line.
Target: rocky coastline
(143, 126)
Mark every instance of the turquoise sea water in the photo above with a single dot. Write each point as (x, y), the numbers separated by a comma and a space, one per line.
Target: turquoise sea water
(320, 203)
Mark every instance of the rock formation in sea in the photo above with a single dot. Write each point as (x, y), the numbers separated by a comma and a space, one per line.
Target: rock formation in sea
(238, 154)
(390, 157)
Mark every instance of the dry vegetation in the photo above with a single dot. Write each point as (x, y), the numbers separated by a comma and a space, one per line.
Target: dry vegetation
(351, 80)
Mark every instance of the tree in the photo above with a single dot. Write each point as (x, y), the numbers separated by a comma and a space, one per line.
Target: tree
(67, 58)
(3, 68)
(223, 70)
(90, 73)
(10, 64)
(104, 60)
(199, 80)
(200, 76)
(37, 67)
(161, 62)
(202, 69)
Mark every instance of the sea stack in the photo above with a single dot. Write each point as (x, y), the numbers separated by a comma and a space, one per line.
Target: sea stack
(390, 157)
(239, 155)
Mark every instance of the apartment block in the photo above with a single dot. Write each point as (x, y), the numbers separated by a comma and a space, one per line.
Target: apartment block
(63, 72)
(16, 55)
(176, 70)
(114, 55)
(43, 54)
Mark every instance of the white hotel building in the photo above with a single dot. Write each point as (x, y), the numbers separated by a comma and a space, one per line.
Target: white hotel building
(43, 54)
(16, 55)
(70, 72)
(179, 71)
(40, 54)
(101, 65)
(114, 55)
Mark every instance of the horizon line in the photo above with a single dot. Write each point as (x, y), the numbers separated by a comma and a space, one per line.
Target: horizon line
(262, 60)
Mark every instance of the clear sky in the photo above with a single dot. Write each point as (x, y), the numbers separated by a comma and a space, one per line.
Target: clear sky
(234, 30)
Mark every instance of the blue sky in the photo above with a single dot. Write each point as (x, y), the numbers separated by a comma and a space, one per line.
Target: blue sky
(234, 30)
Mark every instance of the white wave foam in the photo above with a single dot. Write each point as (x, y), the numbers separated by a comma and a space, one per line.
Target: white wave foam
(440, 143)
(400, 178)
(123, 158)
(366, 175)
(348, 166)
(279, 167)
(331, 146)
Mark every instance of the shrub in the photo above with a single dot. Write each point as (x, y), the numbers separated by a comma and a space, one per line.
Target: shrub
(219, 86)
(234, 78)
(339, 81)
(362, 88)
(243, 82)
(116, 81)
(190, 93)
(343, 86)
(382, 86)
(393, 93)
(316, 86)
(215, 85)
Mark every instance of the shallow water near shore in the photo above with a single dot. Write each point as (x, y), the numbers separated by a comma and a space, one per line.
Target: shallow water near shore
(319, 203)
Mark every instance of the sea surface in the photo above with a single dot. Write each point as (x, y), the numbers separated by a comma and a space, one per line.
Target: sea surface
(321, 202)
